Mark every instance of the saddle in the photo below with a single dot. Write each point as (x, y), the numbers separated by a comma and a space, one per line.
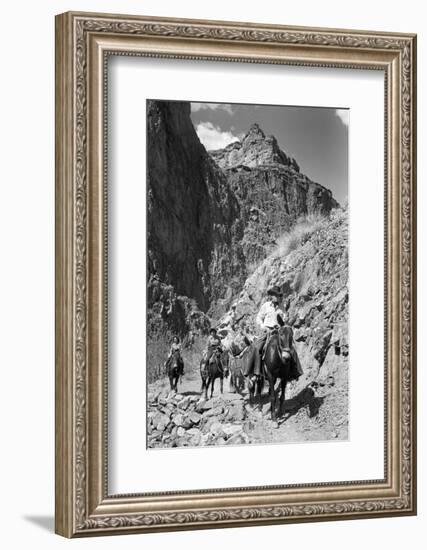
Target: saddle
(216, 357)
(264, 349)
(212, 359)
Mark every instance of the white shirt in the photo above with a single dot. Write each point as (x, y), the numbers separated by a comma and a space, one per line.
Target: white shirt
(267, 316)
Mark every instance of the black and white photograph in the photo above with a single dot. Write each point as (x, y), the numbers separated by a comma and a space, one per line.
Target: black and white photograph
(247, 274)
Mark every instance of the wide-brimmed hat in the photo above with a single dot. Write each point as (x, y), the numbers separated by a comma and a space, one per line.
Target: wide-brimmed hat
(212, 330)
(275, 291)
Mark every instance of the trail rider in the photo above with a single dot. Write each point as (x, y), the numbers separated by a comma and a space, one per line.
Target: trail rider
(269, 318)
(176, 348)
(214, 344)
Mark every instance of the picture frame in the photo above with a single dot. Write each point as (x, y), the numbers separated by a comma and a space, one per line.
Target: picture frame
(84, 41)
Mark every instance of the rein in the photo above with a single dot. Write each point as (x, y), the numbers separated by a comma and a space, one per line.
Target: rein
(281, 349)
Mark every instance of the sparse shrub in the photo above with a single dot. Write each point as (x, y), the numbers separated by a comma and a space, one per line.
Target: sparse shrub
(298, 234)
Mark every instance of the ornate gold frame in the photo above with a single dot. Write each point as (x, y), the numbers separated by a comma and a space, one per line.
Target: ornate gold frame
(83, 41)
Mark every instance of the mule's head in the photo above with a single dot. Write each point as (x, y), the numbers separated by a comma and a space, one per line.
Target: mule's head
(224, 358)
(285, 335)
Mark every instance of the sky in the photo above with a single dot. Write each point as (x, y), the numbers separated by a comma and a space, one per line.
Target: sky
(317, 137)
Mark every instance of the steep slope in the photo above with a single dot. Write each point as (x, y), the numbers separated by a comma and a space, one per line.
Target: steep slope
(310, 266)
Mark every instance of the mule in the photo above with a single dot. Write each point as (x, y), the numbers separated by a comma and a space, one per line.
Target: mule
(237, 380)
(213, 370)
(173, 370)
(255, 384)
(236, 361)
(279, 364)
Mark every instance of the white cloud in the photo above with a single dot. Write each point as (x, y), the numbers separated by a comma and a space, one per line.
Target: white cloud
(343, 114)
(213, 137)
(213, 107)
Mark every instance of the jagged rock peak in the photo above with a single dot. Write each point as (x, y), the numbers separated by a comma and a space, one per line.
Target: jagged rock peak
(254, 132)
(256, 149)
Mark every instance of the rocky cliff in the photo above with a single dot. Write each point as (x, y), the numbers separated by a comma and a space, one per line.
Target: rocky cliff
(270, 189)
(193, 223)
(193, 216)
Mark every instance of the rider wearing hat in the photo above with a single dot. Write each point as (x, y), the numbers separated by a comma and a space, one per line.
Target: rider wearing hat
(269, 317)
(214, 343)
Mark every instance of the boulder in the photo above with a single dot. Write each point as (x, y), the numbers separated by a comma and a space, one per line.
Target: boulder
(196, 439)
(216, 429)
(232, 429)
(200, 406)
(236, 412)
(216, 411)
(187, 423)
(194, 417)
(210, 403)
(184, 403)
(178, 419)
(193, 431)
(160, 420)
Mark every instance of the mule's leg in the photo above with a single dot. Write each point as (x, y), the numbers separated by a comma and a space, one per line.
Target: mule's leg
(258, 389)
(207, 381)
(282, 395)
(221, 382)
(212, 386)
(241, 382)
(233, 385)
(203, 379)
(273, 400)
(251, 390)
(171, 382)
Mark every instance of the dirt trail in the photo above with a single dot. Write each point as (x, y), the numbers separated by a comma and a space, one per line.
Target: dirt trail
(185, 418)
